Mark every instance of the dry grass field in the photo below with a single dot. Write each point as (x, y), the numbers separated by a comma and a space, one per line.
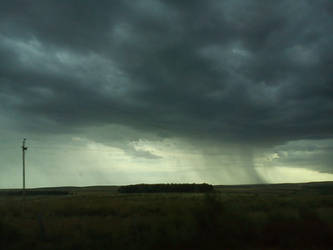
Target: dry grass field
(284, 216)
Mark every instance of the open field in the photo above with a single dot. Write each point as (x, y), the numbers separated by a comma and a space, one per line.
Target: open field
(294, 216)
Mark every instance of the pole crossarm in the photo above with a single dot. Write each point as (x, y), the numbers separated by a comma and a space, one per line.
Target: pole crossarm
(23, 144)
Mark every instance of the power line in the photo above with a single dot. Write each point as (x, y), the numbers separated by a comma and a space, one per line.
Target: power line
(71, 148)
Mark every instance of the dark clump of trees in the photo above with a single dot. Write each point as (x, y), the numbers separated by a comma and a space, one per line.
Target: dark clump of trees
(167, 188)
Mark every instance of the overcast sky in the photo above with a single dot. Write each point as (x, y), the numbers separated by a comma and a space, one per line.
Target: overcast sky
(118, 92)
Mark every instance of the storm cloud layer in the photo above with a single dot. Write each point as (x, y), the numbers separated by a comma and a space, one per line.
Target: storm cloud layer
(247, 72)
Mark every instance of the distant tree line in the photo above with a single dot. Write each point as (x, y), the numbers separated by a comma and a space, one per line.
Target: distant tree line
(39, 192)
(166, 188)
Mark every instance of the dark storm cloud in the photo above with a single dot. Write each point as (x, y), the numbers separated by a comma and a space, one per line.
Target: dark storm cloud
(246, 71)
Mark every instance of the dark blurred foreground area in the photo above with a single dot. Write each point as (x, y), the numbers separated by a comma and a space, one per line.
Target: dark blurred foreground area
(289, 216)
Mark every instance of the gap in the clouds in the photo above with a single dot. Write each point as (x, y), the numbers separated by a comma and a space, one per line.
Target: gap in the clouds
(292, 175)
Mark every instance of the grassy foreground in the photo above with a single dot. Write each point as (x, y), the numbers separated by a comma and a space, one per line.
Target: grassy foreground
(294, 216)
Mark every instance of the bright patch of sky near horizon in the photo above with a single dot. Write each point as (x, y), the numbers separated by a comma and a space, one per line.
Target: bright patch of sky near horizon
(83, 162)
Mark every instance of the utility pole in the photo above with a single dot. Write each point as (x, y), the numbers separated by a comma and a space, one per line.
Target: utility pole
(24, 148)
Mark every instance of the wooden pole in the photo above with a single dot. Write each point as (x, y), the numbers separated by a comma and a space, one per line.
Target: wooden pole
(24, 148)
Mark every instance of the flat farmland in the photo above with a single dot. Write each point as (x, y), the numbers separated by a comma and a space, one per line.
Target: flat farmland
(280, 216)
